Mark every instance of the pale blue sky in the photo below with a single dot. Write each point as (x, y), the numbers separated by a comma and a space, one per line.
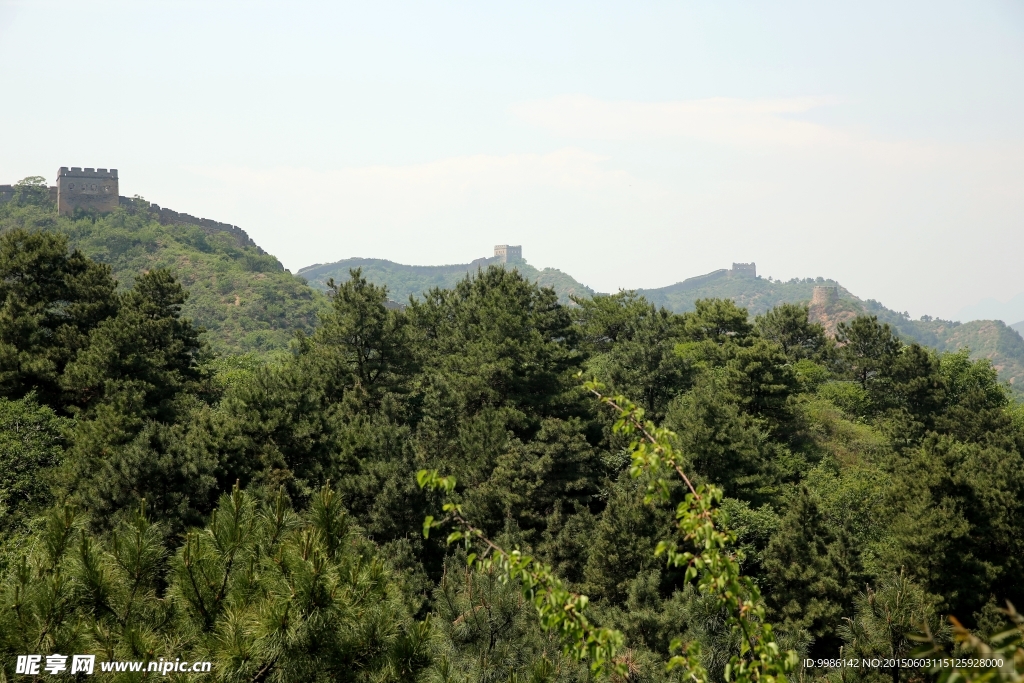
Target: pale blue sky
(629, 144)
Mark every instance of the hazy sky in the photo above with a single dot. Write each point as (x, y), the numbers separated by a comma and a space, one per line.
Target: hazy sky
(630, 144)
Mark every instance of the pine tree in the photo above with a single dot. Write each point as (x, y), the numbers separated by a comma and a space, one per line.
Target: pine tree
(808, 571)
(50, 301)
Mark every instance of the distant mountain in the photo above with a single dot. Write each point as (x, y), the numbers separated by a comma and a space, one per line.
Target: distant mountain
(993, 309)
(990, 339)
(756, 294)
(412, 281)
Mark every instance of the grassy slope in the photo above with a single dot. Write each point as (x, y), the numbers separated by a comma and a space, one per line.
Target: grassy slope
(412, 281)
(244, 298)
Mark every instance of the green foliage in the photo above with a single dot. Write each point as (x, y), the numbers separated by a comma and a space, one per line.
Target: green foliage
(848, 395)
(999, 657)
(558, 609)
(716, 320)
(633, 346)
(32, 191)
(788, 326)
(368, 339)
(984, 339)
(704, 546)
(51, 300)
(241, 295)
(791, 476)
(757, 295)
(31, 447)
(146, 355)
(263, 592)
(869, 349)
(887, 619)
(133, 385)
(957, 522)
(509, 342)
(487, 631)
(807, 569)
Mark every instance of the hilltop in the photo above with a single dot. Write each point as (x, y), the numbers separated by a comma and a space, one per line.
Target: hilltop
(241, 295)
(742, 285)
(405, 281)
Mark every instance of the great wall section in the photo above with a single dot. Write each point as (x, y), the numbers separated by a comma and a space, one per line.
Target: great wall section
(96, 190)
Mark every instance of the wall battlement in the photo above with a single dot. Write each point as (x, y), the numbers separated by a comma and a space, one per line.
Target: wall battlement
(87, 172)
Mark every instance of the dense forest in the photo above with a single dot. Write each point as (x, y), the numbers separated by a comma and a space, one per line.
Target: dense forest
(268, 514)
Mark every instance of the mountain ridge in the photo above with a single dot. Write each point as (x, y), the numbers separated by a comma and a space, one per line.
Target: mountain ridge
(249, 302)
(405, 281)
(991, 339)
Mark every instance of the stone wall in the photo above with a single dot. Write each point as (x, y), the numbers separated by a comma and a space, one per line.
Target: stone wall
(169, 217)
(7, 193)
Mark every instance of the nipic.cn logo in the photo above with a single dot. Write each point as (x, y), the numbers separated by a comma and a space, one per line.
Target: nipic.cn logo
(35, 665)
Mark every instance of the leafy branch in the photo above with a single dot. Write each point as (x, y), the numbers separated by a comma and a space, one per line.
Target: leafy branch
(1002, 655)
(560, 610)
(705, 546)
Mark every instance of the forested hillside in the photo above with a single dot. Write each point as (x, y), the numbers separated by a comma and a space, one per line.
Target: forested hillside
(270, 518)
(990, 339)
(241, 295)
(405, 281)
(757, 295)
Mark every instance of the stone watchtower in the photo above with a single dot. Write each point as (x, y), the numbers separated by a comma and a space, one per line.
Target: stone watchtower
(506, 252)
(90, 188)
(823, 295)
(744, 270)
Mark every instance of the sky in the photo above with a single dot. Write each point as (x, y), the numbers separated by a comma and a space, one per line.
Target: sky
(629, 144)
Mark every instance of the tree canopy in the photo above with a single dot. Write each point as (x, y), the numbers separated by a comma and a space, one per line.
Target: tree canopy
(267, 515)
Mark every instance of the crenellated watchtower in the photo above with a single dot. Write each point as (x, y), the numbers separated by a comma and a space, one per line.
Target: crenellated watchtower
(823, 295)
(744, 270)
(507, 252)
(88, 188)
